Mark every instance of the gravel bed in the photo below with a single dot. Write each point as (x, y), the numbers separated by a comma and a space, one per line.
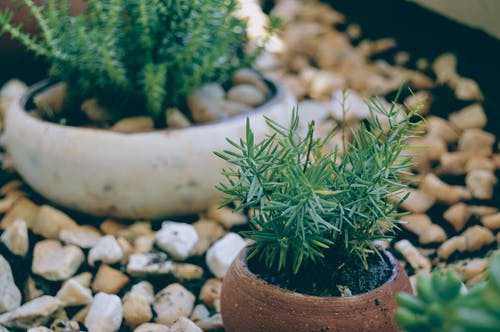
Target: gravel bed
(65, 271)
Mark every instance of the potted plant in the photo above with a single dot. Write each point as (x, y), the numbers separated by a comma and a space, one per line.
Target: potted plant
(313, 263)
(442, 303)
(140, 59)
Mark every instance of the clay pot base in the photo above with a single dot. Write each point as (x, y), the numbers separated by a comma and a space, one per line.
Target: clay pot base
(250, 304)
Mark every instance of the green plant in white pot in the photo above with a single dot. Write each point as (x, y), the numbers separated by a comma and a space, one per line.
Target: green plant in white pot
(314, 263)
(131, 65)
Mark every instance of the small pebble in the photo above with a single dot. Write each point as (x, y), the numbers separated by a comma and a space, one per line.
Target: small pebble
(54, 261)
(246, 94)
(106, 250)
(15, 237)
(31, 314)
(183, 324)
(134, 125)
(10, 296)
(85, 236)
(222, 253)
(105, 313)
(72, 293)
(177, 239)
(109, 280)
(172, 302)
(149, 264)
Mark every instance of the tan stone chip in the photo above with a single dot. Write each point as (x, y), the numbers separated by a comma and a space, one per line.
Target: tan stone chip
(442, 191)
(475, 140)
(457, 215)
(418, 201)
(440, 127)
(421, 225)
(23, 208)
(185, 271)
(469, 268)
(136, 310)
(452, 245)
(417, 261)
(481, 183)
(210, 292)
(482, 210)
(134, 124)
(476, 237)
(491, 221)
(109, 280)
(472, 116)
(50, 222)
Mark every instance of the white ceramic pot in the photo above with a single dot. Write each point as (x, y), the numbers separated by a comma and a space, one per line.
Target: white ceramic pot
(142, 175)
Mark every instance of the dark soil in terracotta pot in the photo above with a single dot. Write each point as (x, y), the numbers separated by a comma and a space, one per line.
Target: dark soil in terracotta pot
(332, 279)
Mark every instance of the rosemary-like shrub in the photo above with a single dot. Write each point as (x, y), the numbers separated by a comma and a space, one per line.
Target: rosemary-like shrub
(307, 203)
(140, 52)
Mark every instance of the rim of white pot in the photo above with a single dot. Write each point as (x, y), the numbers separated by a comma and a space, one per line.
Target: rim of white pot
(276, 87)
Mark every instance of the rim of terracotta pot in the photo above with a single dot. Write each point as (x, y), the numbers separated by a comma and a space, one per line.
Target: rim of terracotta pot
(276, 87)
(241, 267)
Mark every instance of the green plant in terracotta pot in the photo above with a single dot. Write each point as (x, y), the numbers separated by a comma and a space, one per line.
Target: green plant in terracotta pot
(314, 263)
(443, 303)
(128, 66)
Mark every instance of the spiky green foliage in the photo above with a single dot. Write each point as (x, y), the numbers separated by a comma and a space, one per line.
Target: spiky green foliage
(441, 304)
(144, 52)
(308, 203)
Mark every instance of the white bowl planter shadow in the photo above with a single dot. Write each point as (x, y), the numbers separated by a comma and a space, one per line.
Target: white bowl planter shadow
(141, 175)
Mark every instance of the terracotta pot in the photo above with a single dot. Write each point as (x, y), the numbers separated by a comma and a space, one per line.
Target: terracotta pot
(249, 304)
(143, 175)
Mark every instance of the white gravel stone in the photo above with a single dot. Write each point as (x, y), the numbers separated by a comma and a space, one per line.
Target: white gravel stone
(105, 313)
(211, 323)
(83, 236)
(222, 253)
(202, 103)
(149, 264)
(10, 296)
(16, 238)
(72, 293)
(37, 329)
(200, 311)
(107, 250)
(55, 262)
(184, 324)
(152, 327)
(177, 239)
(172, 302)
(249, 76)
(145, 289)
(246, 94)
(32, 314)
